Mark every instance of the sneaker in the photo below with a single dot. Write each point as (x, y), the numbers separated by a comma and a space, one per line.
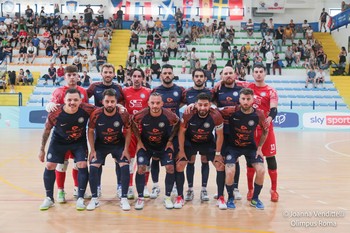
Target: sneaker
(93, 204)
(230, 203)
(119, 191)
(124, 204)
(174, 191)
(140, 203)
(146, 192)
(80, 204)
(221, 203)
(215, 196)
(274, 196)
(250, 194)
(179, 202)
(155, 192)
(61, 196)
(99, 191)
(47, 203)
(204, 195)
(237, 194)
(130, 194)
(75, 192)
(257, 204)
(189, 195)
(168, 203)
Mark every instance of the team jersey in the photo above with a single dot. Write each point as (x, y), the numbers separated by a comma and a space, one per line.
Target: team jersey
(96, 89)
(172, 97)
(136, 99)
(69, 128)
(109, 129)
(58, 94)
(155, 131)
(242, 127)
(198, 129)
(190, 94)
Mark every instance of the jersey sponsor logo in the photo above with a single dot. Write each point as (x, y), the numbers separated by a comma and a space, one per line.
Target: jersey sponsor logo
(154, 130)
(100, 124)
(81, 119)
(145, 124)
(63, 124)
(116, 124)
(169, 161)
(235, 119)
(251, 123)
(135, 104)
(175, 93)
(221, 93)
(98, 92)
(228, 98)
(192, 124)
(169, 100)
(235, 93)
(206, 125)
(190, 96)
(110, 130)
(161, 124)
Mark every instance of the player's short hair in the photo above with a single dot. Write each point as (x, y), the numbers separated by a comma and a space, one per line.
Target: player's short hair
(72, 91)
(167, 66)
(71, 69)
(109, 92)
(246, 91)
(203, 96)
(259, 66)
(156, 94)
(137, 69)
(196, 70)
(108, 65)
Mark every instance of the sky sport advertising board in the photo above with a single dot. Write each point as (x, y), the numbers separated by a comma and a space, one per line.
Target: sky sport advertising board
(326, 120)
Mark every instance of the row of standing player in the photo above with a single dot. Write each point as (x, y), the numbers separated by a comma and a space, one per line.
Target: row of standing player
(174, 97)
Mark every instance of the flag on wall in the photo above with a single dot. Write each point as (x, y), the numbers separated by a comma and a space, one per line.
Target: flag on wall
(188, 8)
(236, 9)
(206, 8)
(220, 9)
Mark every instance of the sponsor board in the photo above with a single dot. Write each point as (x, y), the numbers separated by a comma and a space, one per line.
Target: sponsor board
(326, 120)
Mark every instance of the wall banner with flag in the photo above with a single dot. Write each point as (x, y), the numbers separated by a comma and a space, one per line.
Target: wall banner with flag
(72, 6)
(271, 6)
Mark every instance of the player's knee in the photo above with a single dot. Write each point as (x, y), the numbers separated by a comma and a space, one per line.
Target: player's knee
(220, 167)
(169, 169)
(123, 164)
(204, 159)
(81, 164)
(271, 163)
(51, 166)
(230, 169)
(260, 171)
(62, 167)
(180, 166)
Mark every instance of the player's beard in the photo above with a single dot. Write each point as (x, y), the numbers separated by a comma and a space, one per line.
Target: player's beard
(203, 113)
(229, 81)
(246, 108)
(199, 84)
(110, 109)
(167, 80)
(155, 110)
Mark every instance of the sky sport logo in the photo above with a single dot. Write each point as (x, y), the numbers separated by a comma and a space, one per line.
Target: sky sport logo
(332, 120)
(337, 120)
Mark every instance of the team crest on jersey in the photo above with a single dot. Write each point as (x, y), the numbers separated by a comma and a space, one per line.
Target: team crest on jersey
(81, 119)
(235, 93)
(116, 124)
(251, 123)
(228, 157)
(263, 94)
(142, 96)
(161, 124)
(141, 159)
(175, 93)
(206, 125)
(49, 156)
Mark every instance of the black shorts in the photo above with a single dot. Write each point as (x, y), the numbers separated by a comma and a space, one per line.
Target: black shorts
(56, 152)
(103, 150)
(206, 149)
(165, 157)
(231, 155)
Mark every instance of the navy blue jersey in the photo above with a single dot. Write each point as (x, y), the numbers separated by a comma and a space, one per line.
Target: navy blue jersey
(155, 131)
(190, 95)
(69, 128)
(109, 129)
(242, 127)
(96, 89)
(172, 97)
(198, 129)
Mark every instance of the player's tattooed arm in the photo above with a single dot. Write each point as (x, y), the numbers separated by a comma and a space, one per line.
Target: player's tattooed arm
(44, 139)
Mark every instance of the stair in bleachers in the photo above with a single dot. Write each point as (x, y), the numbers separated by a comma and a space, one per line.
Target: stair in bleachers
(119, 48)
(342, 83)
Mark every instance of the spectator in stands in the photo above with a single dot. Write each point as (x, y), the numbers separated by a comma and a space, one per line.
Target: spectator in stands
(289, 56)
(304, 27)
(225, 47)
(277, 64)
(172, 47)
(149, 55)
(3, 83)
(309, 34)
(141, 57)
(183, 65)
(22, 53)
(235, 53)
(288, 34)
(136, 26)
(12, 80)
(92, 59)
(311, 77)
(165, 58)
(323, 20)
(269, 37)
(3, 29)
(320, 77)
(119, 20)
(212, 58)
(210, 71)
(342, 57)
(120, 74)
(279, 38)
(85, 79)
(50, 75)
(55, 53)
(269, 60)
(179, 27)
(77, 61)
(105, 45)
(271, 27)
(242, 52)
(134, 39)
(164, 45)
(28, 78)
(100, 12)
(157, 40)
(155, 67)
(132, 60)
(344, 6)
(7, 51)
(63, 53)
(159, 27)
(8, 22)
(263, 28)
(250, 28)
(263, 47)
(230, 34)
(178, 15)
(321, 57)
(88, 13)
(246, 63)
(36, 43)
(151, 25)
(101, 59)
(15, 37)
(22, 24)
(59, 75)
(31, 52)
(257, 60)
(207, 27)
(85, 63)
(186, 34)
(20, 76)
(193, 57)
(172, 31)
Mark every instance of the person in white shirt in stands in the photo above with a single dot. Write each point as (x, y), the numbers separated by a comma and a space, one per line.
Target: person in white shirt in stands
(31, 52)
(92, 60)
(320, 77)
(305, 26)
(3, 29)
(164, 45)
(268, 37)
(150, 25)
(172, 31)
(144, 25)
(207, 27)
(269, 60)
(8, 22)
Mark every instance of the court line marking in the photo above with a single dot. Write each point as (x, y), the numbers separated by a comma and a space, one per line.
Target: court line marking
(327, 146)
(322, 202)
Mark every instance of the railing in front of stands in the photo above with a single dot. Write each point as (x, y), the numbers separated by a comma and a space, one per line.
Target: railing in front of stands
(314, 105)
(11, 99)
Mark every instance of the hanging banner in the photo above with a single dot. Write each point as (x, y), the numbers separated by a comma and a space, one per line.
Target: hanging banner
(271, 6)
(72, 6)
(8, 6)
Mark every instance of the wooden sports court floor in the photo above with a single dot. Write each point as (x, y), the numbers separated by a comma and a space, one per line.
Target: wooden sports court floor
(314, 190)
